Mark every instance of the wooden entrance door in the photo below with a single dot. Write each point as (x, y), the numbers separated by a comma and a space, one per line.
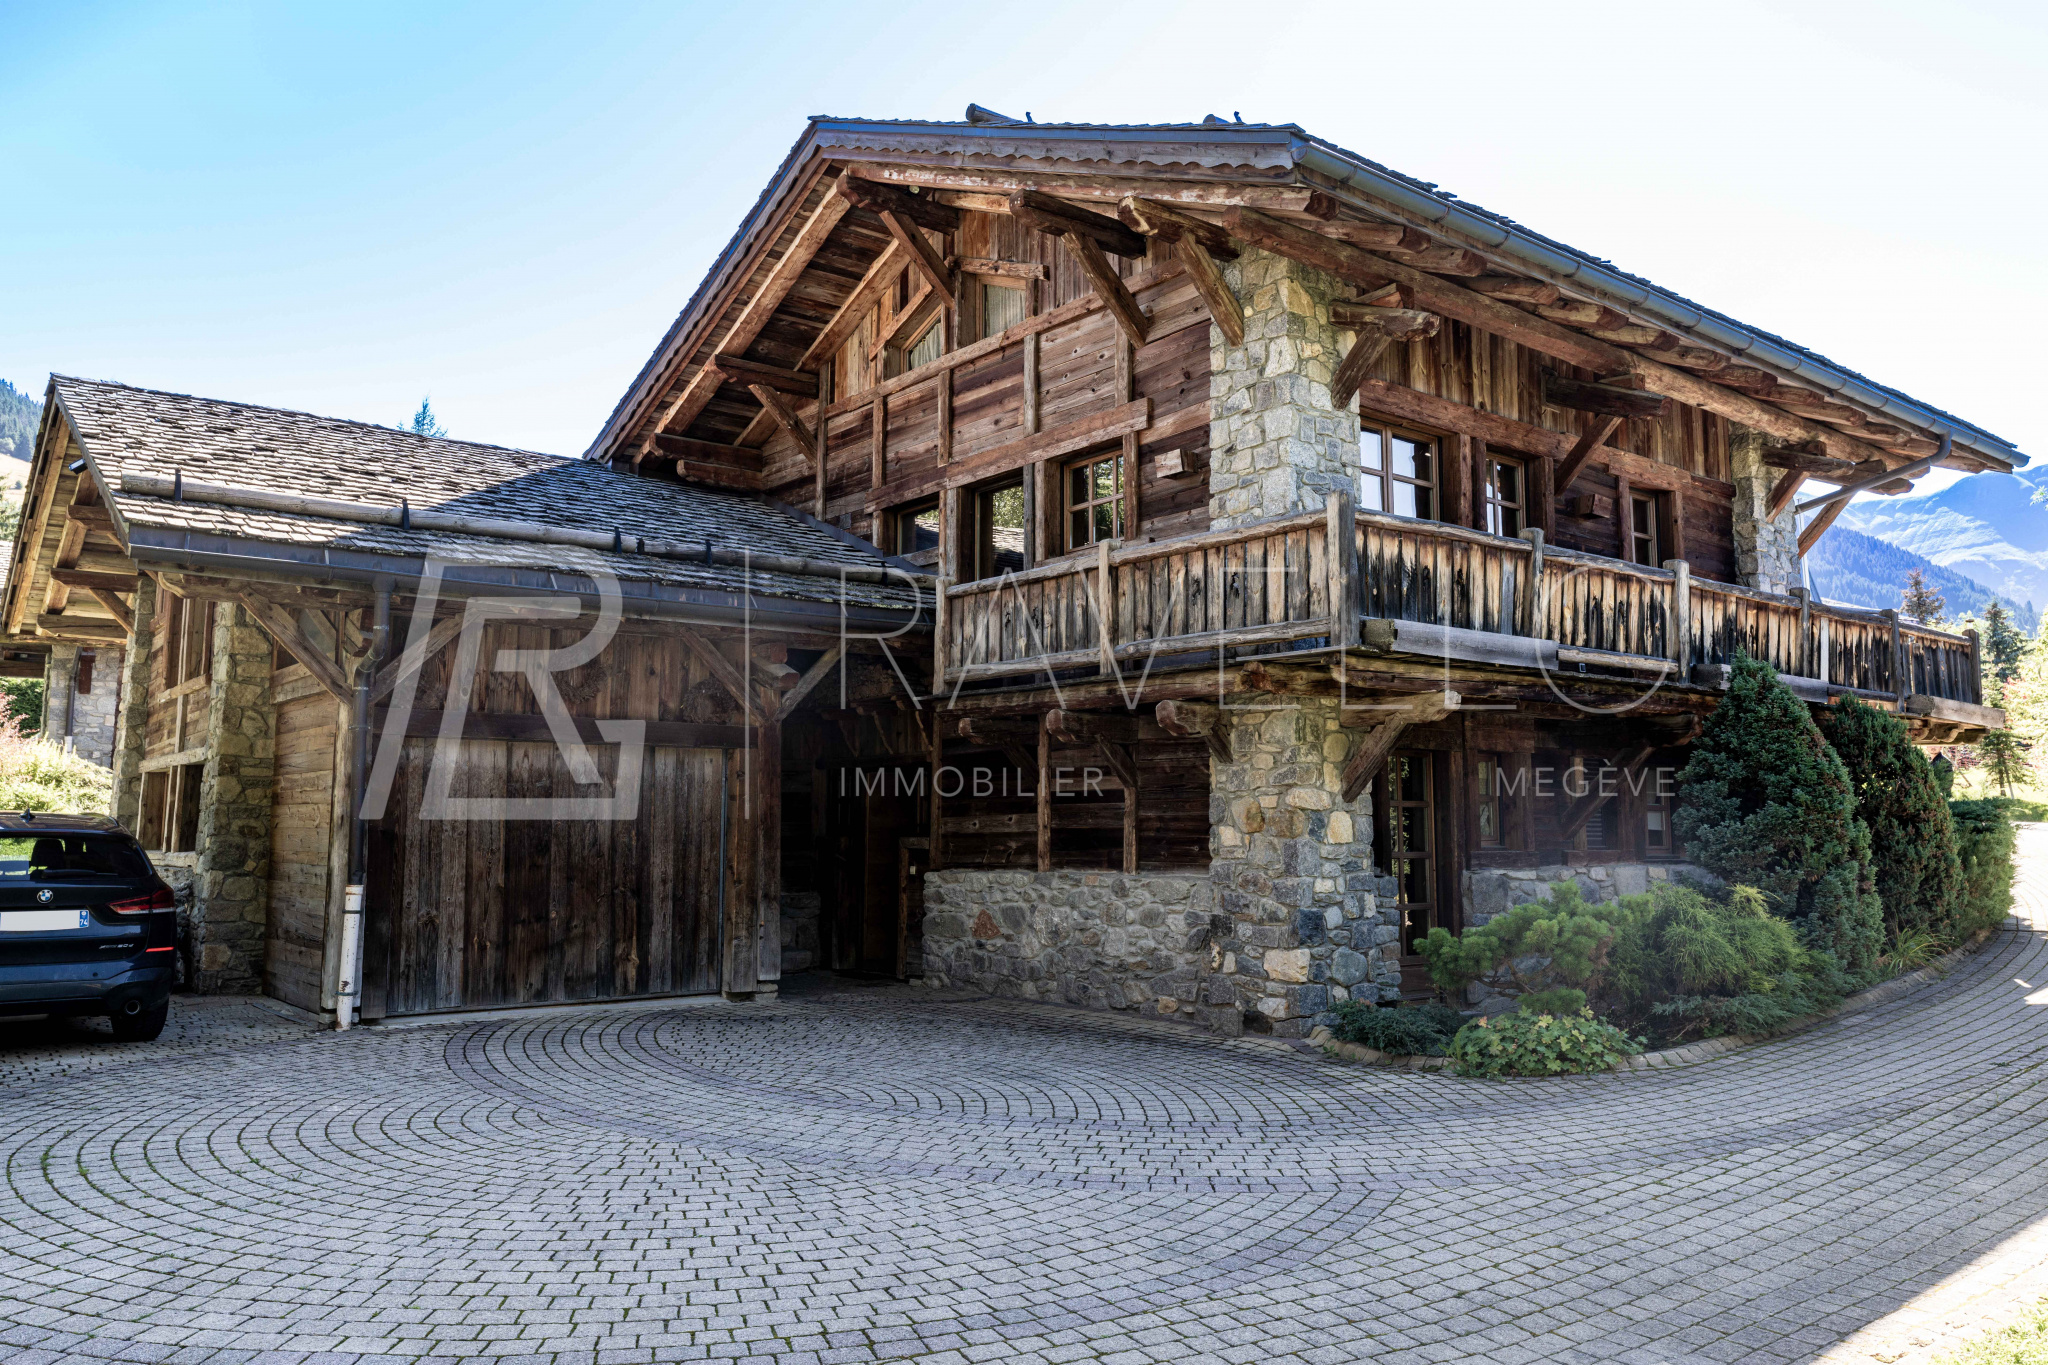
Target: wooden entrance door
(479, 914)
(874, 811)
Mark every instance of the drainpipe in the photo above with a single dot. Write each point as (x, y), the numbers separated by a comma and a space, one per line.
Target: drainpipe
(349, 993)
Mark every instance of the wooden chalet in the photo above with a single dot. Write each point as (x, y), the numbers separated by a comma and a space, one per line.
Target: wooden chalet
(1361, 550)
(262, 588)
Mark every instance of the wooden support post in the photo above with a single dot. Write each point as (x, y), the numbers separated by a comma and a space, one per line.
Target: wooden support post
(1826, 636)
(1044, 795)
(943, 390)
(939, 642)
(936, 850)
(1976, 667)
(1104, 597)
(1342, 550)
(1901, 684)
(1031, 413)
(1127, 389)
(1803, 663)
(1678, 631)
(1531, 605)
(1130, 785)
(878, 468)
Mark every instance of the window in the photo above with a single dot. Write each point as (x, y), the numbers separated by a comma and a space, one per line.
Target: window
(999, 528)
(1002, 307)
(1095, 500)
(188, 640)
(82, 680)
(1504, 497)
(1492, 801)
(917, 528)
(170, 808)
(926, 348)
(1645, 527)
(1659, 839)
(70, 857)
(1397, 472)
(1411, 844)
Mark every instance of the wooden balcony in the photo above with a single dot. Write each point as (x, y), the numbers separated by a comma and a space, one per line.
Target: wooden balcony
(1391, 586)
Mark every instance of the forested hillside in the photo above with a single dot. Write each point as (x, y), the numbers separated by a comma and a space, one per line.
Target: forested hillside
(1862, 571)
(19, 416)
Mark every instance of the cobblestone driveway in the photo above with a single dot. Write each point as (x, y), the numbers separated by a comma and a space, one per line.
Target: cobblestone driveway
(872, 1174)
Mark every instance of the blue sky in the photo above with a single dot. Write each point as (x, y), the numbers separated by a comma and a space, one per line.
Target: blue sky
(345, 207)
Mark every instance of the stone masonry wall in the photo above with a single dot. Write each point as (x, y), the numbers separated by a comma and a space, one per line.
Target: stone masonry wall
(1304, 923)
(1766, 551)
(1277, 445)
(1104, 940)
(85, 719)
(230, 884)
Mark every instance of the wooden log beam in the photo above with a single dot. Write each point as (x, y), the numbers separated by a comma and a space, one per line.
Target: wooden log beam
(1608, 400)
(955, 182)
(283, 627)
(748, 373)
(1514, 289)
(696, 393)
(922, 255)
(415, 656)
(1191, 720)
(1590, 440)
(1396, 324)
(778, 407)
(1371, 748)
(1540, 334)
(710, 452)
(1057, 218)
(1808, 460)
(881, 277)
(91, 579)
(83, 631)
(1169, 224)
(1393, 237)
(1108, 285)
(718, 666)
(1783, 492)
(1581, 811)
(1364, 353)
(1081, 728)
(883, 200)
(985, 265)
(116, 608)
(1877, 480)
(808, 683)
(1818, 527)
(1065, 439)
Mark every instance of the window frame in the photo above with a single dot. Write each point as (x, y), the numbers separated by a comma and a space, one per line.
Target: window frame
(1115, 501)
(1490, 500)
(1387, 433)
(1654, 504)
(976, 502)
(904, 517)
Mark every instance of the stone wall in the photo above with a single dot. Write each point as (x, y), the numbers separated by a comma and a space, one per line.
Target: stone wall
(84, 720)
(231, 878)
(1766, 551)
(1106, 940)
(1277, 446)
(1303, 922)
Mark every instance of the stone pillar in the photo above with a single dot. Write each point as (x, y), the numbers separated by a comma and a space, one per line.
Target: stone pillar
(58, 676)
(94, 713)
(132, 734)
(1766, 551)
(1277, 446)
(230, 884)
(1299, 923)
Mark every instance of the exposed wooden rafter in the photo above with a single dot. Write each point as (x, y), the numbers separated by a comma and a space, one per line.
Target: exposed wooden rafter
(1371, 748)
(1377, 328)
(1198, 244)
(283, 627)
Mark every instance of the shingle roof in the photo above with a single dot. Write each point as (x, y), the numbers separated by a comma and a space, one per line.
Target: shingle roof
(126, 430)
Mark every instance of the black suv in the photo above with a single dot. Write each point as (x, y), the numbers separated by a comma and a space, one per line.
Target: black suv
(86, 925)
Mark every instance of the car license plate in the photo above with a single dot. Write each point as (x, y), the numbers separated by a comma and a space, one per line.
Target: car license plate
(42, 921)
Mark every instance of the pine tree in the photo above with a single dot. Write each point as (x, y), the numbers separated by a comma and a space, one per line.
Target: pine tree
(1764, 802)
(1922, 603)
(424, 422)
(2004, 645)
(1900, 801)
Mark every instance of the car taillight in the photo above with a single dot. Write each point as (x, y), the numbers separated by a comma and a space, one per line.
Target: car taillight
(163, 899)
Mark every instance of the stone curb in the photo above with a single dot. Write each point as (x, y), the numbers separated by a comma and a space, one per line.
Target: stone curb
(1687, 1053)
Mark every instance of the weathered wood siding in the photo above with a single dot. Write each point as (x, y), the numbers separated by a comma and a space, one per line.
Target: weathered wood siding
(302, 829)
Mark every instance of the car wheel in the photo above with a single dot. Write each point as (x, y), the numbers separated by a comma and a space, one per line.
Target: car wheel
(143, 1027)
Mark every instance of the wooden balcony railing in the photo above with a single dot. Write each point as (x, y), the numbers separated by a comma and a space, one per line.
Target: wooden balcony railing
(1365, 579)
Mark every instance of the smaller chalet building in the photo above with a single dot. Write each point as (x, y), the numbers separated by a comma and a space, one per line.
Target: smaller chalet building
(1167, 568)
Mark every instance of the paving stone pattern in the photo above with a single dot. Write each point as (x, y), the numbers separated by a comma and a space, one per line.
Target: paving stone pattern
(860, 1174)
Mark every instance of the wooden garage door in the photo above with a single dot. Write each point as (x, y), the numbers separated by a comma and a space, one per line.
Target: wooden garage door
(476, 914)
(302, 845)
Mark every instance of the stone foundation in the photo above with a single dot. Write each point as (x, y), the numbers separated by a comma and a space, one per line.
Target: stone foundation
(1105, 940)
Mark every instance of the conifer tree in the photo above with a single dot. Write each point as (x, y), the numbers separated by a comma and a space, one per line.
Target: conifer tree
(1899, 800)
(1922, 603)
(1764, 802)
(2004, 644)
(424, 423)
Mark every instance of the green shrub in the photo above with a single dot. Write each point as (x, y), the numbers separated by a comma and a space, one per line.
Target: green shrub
(1898, 798)
(1551, 951)
(1526, 1044)
(1764, 802)
(1984, 839)
(37, 775)
(1689, 965)
(1407, 1031)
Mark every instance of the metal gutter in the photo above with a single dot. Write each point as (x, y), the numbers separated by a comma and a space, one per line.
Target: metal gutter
(1564, 265)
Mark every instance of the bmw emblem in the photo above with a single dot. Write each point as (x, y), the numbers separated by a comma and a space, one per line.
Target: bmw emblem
(46, 896)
